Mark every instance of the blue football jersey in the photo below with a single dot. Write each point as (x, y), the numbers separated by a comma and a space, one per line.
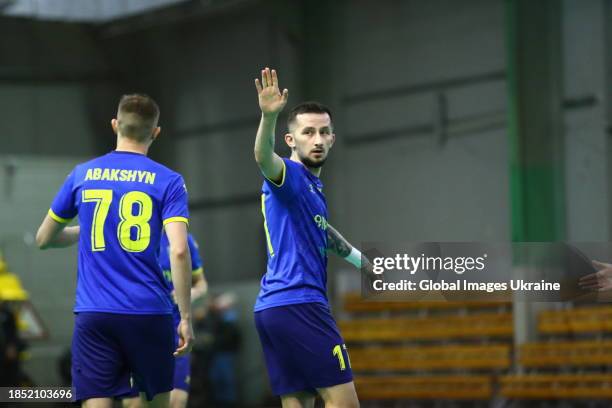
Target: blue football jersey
(164, 258)
(164, 262)
(295, 223)
(122, 200)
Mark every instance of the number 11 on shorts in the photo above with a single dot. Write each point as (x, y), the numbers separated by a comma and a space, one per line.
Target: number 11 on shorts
(337, 351)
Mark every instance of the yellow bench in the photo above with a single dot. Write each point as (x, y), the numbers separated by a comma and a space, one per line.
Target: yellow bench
(476, 325)
(556, 386)
(595, 319)
(484, 357)
(425, 387)
(566, 353)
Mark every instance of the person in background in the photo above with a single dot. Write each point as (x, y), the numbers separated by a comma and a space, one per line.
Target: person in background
(9, 347)
(225, 348)
(182, 368)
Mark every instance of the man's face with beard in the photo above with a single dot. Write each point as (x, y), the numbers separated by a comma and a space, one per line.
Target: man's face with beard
(311, 138)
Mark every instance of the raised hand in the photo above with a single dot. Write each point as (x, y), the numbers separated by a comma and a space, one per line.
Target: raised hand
(599, 281)
(271, 100)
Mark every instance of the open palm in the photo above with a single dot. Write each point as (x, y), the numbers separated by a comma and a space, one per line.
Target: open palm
(600, 280)
(271, 100)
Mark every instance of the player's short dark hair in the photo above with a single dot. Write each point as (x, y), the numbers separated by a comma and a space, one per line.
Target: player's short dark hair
(145, 108)
(307, 107)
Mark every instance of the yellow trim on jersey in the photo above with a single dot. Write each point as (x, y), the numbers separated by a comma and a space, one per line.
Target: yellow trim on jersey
(176, 219)
(282, 179)
(58, 218)
(199, 271)
(263, 211)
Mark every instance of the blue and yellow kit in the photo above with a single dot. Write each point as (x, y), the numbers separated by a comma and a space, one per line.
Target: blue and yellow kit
(295, 222)
(122, 200)
(302, 346)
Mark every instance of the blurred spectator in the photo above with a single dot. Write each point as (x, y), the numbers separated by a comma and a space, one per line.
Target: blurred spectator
(201, 355)
(64, 366)
(225, 347)
(9, 347)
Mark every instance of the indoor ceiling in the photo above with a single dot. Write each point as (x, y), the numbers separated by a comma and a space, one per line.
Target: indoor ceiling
(95, 11)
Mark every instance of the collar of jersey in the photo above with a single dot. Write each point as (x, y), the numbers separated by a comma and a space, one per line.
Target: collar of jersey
(308, 173)
(126, 152)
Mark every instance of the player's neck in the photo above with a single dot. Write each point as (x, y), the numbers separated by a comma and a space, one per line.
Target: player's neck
(127, 145)
(315, 171)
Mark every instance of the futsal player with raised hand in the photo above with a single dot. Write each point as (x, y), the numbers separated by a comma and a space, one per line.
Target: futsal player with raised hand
(123, 314)
(303, 349)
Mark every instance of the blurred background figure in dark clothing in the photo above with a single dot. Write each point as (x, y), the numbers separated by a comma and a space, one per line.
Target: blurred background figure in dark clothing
(9, 347)
(214, 381)
(226, 345)
(64, 365)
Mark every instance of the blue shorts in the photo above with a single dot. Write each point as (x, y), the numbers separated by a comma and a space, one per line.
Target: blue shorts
(182, 365)
(182, 373)
(302, 348)
(108, 348)
(182, 369)
(182, 376)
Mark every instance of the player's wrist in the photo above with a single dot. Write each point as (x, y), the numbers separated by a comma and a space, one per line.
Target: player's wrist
(270, 115)
(354, 257)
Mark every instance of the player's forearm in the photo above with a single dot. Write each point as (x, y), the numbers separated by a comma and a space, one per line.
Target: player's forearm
(264, 140)
(53, 235)
(180, 264)
(199, 289)
(336, 243)
(66, 237)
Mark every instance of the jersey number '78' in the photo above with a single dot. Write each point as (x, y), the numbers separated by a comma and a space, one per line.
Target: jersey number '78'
(103, 199)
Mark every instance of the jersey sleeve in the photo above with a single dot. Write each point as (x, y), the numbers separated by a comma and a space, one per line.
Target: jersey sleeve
(63, 208)
(175, 207)
(287, 187)
(196, 261)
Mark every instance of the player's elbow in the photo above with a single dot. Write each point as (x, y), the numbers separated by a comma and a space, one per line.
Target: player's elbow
(263, 157)
(200, 288)
(42, 240)
(259, 156)
(180, 252)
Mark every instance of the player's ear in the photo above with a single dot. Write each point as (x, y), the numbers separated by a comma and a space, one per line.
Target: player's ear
(114, 125)
(290, 140)
(156, 133)
(333, 140)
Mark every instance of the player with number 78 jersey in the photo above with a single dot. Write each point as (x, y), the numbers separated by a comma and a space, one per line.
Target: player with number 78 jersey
(122, 200)
(123, 323)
